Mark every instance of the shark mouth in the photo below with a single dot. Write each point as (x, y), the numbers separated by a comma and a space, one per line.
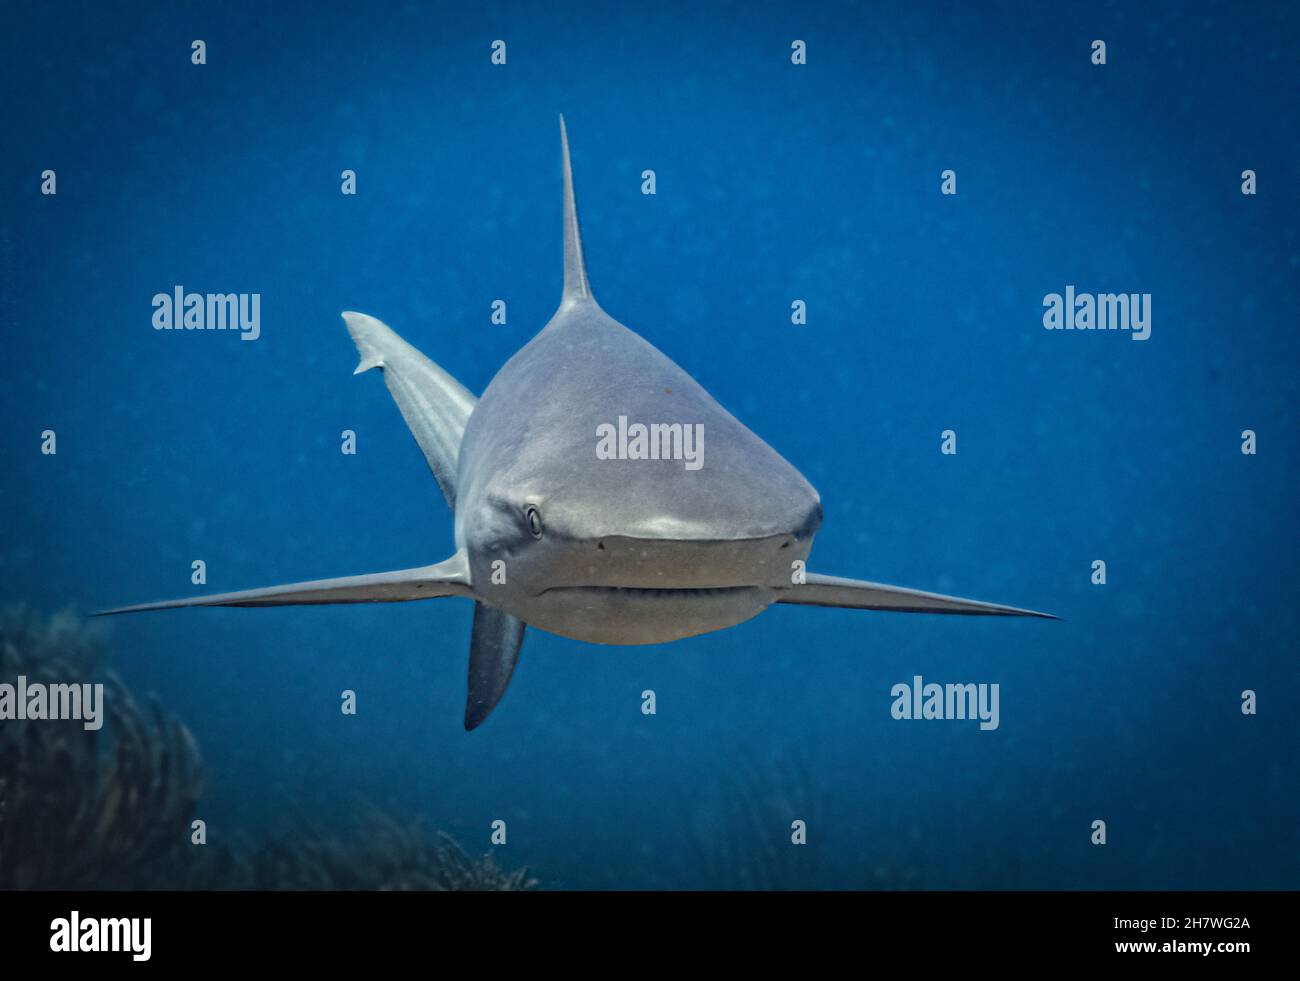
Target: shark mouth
(664, 592)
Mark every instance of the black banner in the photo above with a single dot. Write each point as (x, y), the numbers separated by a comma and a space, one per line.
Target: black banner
(179, 931)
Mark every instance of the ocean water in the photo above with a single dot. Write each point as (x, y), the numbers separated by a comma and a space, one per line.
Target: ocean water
(774, 182)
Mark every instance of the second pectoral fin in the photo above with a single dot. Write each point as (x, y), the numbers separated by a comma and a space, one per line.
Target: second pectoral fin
(859, 595)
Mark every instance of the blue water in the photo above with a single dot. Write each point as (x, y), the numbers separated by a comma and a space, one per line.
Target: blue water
(775, 182)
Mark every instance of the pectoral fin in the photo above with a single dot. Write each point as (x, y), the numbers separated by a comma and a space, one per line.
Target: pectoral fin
(448, 578)
(858, 595)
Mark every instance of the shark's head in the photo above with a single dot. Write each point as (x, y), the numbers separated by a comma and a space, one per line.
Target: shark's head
(577, 501)
(600, 481)
(603, 494)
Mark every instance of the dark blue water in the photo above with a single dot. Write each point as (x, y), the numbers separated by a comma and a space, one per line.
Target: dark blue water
(775, 182)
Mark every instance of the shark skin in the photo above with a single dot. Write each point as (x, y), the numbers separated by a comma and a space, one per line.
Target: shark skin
(605, 550)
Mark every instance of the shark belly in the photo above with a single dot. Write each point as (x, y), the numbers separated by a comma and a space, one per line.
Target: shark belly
(622, 615)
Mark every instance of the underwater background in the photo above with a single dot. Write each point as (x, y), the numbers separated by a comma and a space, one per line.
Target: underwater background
(775, 182)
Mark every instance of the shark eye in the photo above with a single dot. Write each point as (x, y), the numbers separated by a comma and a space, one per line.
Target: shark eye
(534, 519)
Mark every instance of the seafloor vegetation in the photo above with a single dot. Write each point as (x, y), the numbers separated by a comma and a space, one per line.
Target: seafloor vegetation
(111, 808)
(384, 855)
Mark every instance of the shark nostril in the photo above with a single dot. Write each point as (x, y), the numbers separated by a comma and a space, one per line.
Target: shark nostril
(786, 543)
(600, 546)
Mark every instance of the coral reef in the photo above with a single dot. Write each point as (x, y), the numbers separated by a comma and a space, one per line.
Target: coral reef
(78, 808)
(111, 809)
(381, 855)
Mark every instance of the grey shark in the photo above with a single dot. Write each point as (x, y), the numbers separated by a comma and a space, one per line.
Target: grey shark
(552, 535)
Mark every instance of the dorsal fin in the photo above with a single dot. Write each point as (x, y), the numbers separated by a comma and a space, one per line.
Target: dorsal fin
(576, 286)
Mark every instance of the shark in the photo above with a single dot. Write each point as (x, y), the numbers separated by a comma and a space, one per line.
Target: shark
(629, 548)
